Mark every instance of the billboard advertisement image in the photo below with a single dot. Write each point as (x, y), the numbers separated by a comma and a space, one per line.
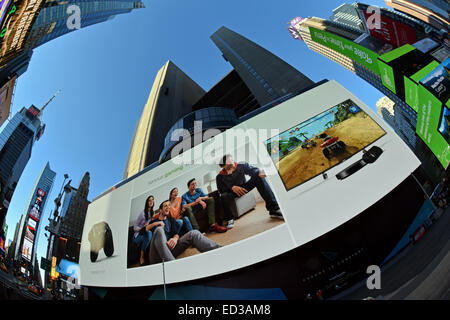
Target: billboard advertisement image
(270, 218)
(17, 22)
(354, 51)
(316, 145)
(433, 115)
(4, 4)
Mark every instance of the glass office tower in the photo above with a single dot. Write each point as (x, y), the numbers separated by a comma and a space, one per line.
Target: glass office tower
(53, 18)
(16, 142)
(259, 78)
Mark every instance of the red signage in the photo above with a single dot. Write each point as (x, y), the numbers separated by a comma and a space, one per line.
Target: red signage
(392, 31)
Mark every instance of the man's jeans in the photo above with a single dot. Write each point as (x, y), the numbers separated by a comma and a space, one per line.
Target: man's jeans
(264, 190)
(184, 225)
(159, 250)
(210, 211)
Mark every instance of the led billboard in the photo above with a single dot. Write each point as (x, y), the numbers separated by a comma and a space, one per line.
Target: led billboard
(17, 22)
(112, 240)
(4, 4)
(32, 225)
(393, 28)
(354, 51)
(293, 28)
(320, 143)
(433, 113)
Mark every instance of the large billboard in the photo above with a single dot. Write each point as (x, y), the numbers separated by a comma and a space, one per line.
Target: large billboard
(333, 192)
(433, 116)
(393, 28)
(354, 51)
(6, 93)
(4, 4)
(293, 28)
(32, 225)
(18, 19)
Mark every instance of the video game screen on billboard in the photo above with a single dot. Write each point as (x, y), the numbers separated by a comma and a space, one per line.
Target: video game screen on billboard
(117, 225)
(340, 132)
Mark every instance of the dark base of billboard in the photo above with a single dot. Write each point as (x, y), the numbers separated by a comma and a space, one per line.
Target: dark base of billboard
(319, 269)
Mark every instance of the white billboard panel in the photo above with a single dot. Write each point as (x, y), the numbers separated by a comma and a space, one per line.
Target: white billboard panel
(304, 146)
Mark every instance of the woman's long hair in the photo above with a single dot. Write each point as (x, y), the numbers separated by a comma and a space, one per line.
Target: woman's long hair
(170, 194)
(147, 209)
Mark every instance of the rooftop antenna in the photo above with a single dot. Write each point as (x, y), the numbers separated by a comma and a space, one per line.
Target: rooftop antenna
(48, 102)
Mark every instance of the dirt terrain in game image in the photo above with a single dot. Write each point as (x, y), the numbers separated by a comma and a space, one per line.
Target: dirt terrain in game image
(302, 164)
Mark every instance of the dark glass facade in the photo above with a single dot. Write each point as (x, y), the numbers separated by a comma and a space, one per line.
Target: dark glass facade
(52, 20)
(16, 142)
(197, 121)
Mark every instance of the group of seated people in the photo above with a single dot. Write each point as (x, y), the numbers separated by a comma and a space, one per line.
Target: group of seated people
(174, 228)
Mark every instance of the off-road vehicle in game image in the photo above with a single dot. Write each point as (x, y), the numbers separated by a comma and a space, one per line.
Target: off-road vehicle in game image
(331, 146)
(308, 144)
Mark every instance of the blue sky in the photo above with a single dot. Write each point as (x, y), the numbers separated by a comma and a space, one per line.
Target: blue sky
(106, 72)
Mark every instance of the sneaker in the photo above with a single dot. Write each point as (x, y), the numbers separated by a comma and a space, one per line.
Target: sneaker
(230, 224)
(216, 228)
(276, 214)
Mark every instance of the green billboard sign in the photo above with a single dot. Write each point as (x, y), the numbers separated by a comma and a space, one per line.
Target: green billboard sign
(433, 116)
(346, 47)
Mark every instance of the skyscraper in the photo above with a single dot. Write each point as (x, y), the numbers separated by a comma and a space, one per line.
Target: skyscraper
(176, 102)
(267, 76)
(16, 142)
(346, 14)
(29, 236)
(73, 211)
(172, 95)
(65, 235)
(57, 17)
(385, 108)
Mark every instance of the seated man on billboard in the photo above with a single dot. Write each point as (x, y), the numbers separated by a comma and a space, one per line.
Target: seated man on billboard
(231, 184)
(166, 244)
(194, 201)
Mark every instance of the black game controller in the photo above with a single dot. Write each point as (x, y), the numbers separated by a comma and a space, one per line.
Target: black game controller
(100, 237)
(369, 156)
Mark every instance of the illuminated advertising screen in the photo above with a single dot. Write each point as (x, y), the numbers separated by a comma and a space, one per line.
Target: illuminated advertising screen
(433, 113)
(322, 142)
(27, 249)
(32, 224)
(293, 28)
(68, 268)
(34, 213)
(2, 245)
(3, 9)
(354, 51)
(393, 28)
(29, 235)
(444, 126)
(18, 19)
(40, 193)
(116, 250)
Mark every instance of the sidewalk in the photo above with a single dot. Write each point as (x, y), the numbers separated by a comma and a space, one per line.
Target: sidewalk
(420, 272)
